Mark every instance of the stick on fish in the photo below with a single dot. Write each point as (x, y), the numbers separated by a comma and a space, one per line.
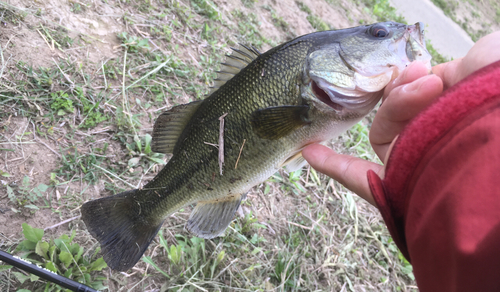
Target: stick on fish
(221, 142)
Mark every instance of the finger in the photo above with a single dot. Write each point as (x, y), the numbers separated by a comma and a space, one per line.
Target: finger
(449, 72)
(402, 105)
(414, 71)
(347, 170)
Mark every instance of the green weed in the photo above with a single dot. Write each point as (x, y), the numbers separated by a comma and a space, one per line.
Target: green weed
(141, 149)
(207, 8)
(61, 256)
(61, 103)
(317, 23)
(190, 261)
(24, 195)
(133, 44)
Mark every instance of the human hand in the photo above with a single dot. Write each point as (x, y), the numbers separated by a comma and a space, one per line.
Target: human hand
(403, 99)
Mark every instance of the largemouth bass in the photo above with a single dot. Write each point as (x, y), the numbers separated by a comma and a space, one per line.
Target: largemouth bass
(265, 108)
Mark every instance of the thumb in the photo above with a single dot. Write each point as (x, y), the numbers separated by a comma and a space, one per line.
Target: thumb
(347, 170)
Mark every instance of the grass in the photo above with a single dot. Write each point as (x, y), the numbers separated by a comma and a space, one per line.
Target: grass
(474, 24)
(298, 231)
(317, 23)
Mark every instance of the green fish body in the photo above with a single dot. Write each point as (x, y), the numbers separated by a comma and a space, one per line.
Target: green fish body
(264, 110)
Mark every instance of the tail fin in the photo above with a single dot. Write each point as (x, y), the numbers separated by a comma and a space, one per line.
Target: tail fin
(122, 230)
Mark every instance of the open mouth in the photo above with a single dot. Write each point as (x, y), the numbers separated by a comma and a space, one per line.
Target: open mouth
(322, 95)
(341, 99)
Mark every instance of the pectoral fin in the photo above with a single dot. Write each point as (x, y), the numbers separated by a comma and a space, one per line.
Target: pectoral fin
(294, 162)
(169, 126)
(209, 219)
(276, 122)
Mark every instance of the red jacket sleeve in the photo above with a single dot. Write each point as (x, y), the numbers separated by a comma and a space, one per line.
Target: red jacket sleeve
(440, 197)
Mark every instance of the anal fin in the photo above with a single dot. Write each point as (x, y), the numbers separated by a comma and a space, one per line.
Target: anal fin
(209, 219)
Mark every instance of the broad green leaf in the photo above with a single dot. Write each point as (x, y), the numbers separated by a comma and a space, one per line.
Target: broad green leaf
(52, 252)
(66, 258)
(147, 141)
(73, 234)
(26, 181)
(42, 248)
(20, 277)
(27, 245)
(32, 234)
(31, 206)
(78, 254)
(34, 278)
(51, 267)
(61, 243)
(4, 267)
(68, 273)
(23, 290)
(5, 174)
(138, 143)
(98, 265)
(11, 194)
(157, 160)
(42, 188)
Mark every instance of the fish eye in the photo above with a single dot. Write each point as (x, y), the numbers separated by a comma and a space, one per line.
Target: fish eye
(379, 31)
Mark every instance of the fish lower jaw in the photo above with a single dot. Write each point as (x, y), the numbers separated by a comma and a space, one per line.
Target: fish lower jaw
(324, 97)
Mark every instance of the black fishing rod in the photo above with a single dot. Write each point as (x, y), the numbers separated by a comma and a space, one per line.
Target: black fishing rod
(43, 273)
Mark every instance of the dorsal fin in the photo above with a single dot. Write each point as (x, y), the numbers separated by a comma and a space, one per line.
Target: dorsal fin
(169, 126)
(238, 60)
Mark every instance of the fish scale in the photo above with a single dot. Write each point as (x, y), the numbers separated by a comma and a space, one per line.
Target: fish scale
(273, 105)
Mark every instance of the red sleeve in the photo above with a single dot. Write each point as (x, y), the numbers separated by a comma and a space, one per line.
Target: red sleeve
(440, 197)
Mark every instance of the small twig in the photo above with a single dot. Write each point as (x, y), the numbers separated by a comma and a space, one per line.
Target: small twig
(149, 73)
(3, 62)
(41, 142)
(114, 175)
(211, 144)
(63, 222)
(298, 225)
(221, 142)
(64, 74)
(241, 149)
(124, 93)
(45, 39)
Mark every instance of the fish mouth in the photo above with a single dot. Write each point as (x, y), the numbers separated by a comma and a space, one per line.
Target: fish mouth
(324, 97)
(340, 98)
(415, 44)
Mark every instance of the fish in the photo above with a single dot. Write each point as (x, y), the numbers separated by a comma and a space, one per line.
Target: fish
(263, 110)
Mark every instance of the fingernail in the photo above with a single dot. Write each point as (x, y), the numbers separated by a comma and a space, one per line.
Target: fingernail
(415, 85)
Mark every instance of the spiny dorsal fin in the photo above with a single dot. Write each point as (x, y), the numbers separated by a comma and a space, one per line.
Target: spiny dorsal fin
(169, 126)
(276, 122)
(238, 60)
(209, 219)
